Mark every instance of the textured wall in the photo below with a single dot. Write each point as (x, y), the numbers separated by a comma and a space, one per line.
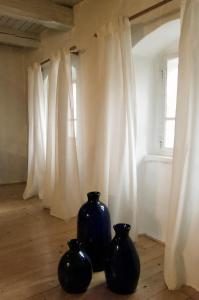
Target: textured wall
(155, 197)
(13, 116)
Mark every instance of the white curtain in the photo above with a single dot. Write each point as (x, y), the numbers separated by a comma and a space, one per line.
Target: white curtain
(59, 177)
(102, 154)
(107, 121)
(37, 141)
(182, 245)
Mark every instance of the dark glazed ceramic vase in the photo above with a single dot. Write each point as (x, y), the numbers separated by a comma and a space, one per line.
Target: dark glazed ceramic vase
(123, 264)
(94, 230)
(74, 270)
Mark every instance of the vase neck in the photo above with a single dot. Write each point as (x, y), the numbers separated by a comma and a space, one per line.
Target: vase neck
(74, 245)
(122, 229)
(93, 197)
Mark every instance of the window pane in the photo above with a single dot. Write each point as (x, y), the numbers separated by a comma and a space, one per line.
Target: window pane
(171, 89)
(74, 100)
(169, 133)
(74, 73)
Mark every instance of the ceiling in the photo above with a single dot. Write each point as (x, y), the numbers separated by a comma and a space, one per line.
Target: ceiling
(69, 3)
(22, 21)
(23, 26)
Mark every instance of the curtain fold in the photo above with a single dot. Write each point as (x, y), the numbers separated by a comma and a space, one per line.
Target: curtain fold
(66, 199)
(100, 155)
(107, 121)
(181, 257)
(51, 131)
(36, 140)
(52, 143)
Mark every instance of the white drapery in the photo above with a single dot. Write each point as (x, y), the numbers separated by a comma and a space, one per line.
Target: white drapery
(61, 175)
(36, 139)
(107, 121)
(104, 158)
(181, 257)
(58, 177)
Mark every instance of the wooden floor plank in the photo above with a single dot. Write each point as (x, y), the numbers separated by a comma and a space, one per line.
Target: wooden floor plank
(32, 242)
(174, 295)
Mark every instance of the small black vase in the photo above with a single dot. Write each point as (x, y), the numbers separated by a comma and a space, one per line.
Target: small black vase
(94, 230)
(123, 264)
(74, 270)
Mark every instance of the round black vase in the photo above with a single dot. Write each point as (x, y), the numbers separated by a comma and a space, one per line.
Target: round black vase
(74, 270)
(94, 230)
(123, 265)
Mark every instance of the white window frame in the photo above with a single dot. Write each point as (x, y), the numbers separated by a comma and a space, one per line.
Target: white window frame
(163, 118)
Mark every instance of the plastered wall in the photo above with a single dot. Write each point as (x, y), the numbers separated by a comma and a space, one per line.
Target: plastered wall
(13, 116)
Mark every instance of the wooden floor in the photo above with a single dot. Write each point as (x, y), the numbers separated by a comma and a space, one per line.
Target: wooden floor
(31, 243)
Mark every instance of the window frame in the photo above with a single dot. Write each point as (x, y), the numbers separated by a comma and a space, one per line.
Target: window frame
(163, 118)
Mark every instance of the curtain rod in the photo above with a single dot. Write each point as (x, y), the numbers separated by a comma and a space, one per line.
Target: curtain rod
(45, 61)
(73, 50)
(147, 10)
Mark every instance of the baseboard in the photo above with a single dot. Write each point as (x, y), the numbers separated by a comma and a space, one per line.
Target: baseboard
(13, 183)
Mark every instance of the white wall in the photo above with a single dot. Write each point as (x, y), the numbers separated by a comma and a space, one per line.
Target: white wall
(13, 116)
(154, 171)
(144, 79)
(154, 208)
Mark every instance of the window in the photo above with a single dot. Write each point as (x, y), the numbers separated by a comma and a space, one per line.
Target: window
(169, 107)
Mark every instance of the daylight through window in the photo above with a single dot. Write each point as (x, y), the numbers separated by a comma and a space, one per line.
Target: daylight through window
(170, 102)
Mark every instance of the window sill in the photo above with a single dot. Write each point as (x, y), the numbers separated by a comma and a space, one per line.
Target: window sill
(158, 158)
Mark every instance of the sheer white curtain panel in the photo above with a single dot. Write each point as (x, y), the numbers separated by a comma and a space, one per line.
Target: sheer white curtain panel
(107, 121)
(62, 188)
(181, 257)
(57, 179)
(37, 134)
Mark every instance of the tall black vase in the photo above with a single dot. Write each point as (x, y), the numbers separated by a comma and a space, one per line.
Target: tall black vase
(123, 264)
(94, 230)
(74, 270)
